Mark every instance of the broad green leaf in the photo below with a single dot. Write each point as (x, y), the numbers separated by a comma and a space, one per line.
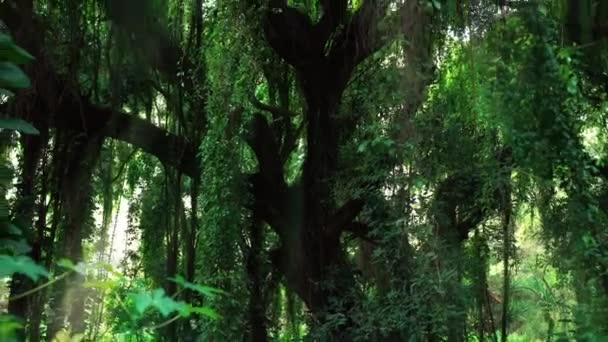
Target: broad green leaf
(160, 301)
(14, 247)
(165, 305)
(4, 210)
(183, 308)
(21, 264)
(12, 77)
(18, 125)
(205, 311)
(80, 267)
(16, 55)
(8, 325)
(14, 230)
(65, 263)
(5, 41)
(572, 85)
(142, 301)
(11, 52)
(205, 290)
(7, 93)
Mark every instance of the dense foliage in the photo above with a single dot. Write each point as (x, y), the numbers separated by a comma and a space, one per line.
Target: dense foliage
(287, 170)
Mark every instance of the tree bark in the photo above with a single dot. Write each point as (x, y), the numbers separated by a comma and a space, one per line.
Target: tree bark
(257, 306)
(38, 299)
(76, 196)
(24, 212)
(305, 215)
(58, 104)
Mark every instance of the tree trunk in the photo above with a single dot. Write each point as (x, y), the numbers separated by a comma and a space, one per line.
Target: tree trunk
(38, 299)
(257, 305)
(69, 301)
(324, 54)
(170, 332)
(24, 213)
(314, 262)
(190, 252)
(310, 256)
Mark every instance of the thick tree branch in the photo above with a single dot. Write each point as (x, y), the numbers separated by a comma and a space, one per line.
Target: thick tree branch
(363, 36)
(279, 113)
(293, 37)
(268, 184)
(374, 25)
(264, 145)
(343, 217)
(360, 230)
(335, 10)
(276, 111)
(266, 204)
(335, 13)
(171, 150)
(60, 104)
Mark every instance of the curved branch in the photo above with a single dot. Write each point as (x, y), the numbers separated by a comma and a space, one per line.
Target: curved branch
(263, 142)
(170, 149)
(343, 217)
(276, 111)
(60, 104)
(292, 35)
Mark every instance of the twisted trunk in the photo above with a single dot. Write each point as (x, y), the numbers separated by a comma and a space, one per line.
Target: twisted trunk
(305, 216)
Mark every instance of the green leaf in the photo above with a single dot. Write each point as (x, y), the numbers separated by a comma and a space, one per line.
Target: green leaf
(80, 267)
(17, 55)
(572, 86)
(362, 147)
(4, 209)
(165, 305)
(14, 246)
(65, 263)
(142, 301)
(21, 264)
(18, 125)
(157, 299)
(12, 77)
(8, 325)
(14, 230)
(5, 40)
(6, 92)
(206, 311)
(11, 52)
(205, 290)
